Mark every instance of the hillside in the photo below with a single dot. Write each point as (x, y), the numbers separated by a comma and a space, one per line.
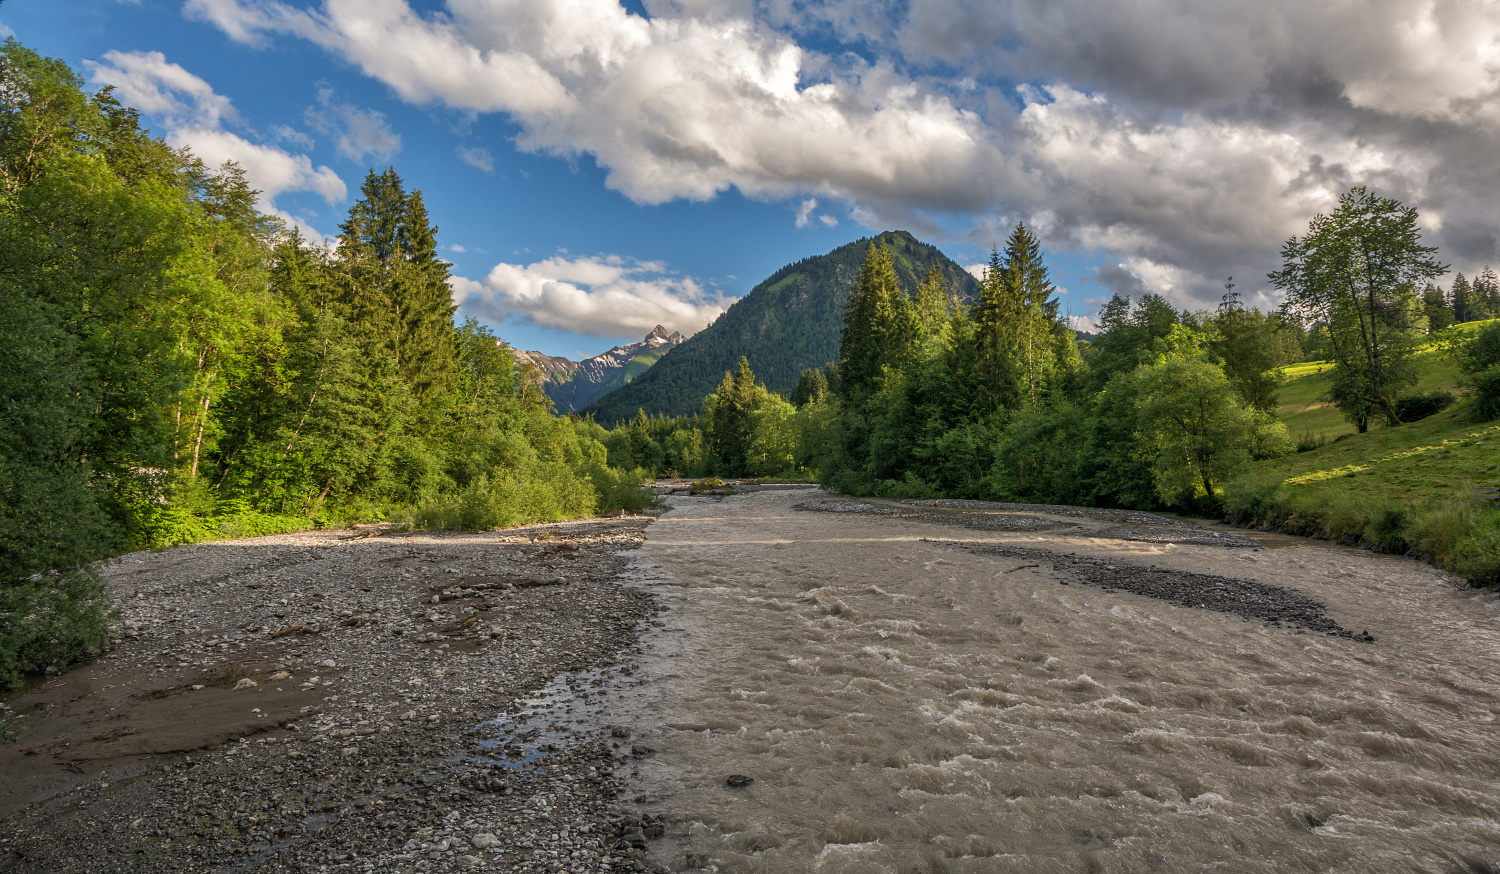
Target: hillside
(573, 385)
(785, 325)
(1307, 415)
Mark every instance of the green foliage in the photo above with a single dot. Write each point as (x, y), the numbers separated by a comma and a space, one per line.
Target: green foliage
(1353, 276)
(175, 366)
(1252, 347)
(1412, 408)
(1198, 429)
(1479, 360)
(811, 387)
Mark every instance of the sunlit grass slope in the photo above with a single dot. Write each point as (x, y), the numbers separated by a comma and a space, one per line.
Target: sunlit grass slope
(1306, 413)
(1409, 488)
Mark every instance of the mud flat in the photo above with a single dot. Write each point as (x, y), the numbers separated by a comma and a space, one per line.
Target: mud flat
(863, 686)
(348, 701)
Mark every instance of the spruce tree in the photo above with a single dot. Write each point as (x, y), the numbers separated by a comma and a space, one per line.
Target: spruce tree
(1460, 299)
(398, 288)
(876, 327)
(1028, 292)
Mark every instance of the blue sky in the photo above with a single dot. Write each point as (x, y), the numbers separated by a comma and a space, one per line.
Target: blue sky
(596, 169)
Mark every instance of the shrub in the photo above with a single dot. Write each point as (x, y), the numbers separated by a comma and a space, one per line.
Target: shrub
(1477, 555)
(621, 489)
(56, 618)
(1257, 498)
(542, 492)
(1413, 408)
(1479, 360)
(1309, 441)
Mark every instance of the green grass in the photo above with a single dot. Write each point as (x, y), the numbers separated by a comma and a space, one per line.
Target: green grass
(1304, 411)
(1417, 461)
(1409, 488)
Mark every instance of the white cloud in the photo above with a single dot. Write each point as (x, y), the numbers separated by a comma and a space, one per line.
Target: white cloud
(359, 134)
(478, 158)
(1187, 140)
(828, 221)
(6, 32)
(804, 211)
(287, 134)
(194, 117)
(607, 296)
(977, 270)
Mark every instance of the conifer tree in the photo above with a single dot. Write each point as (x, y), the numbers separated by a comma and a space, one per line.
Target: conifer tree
(398, 286)
(880, 324)
(1486, 294)
(730, 421)
(1461, 299)
(1029, 291)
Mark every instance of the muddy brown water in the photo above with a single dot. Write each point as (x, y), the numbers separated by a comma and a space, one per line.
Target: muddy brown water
(910, 705)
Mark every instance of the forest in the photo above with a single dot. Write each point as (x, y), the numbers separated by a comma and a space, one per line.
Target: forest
(1162, 409)
(177, 366)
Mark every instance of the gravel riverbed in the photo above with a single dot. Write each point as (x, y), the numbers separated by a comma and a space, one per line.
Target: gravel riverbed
(344, 701)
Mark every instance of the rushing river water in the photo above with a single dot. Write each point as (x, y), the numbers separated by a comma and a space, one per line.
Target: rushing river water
(907, 704)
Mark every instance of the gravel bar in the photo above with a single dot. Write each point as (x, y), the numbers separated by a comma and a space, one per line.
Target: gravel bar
(344, 702)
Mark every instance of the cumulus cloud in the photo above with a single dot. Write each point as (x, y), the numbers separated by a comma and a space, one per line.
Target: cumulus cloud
(606, 296)
(1186, 140)
(195, 117)
(361, 135)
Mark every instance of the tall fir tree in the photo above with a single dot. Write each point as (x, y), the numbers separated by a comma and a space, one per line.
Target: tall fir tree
(398, 286)
(880, 325)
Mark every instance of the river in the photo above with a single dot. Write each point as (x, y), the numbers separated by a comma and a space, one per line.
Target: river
(936, 695)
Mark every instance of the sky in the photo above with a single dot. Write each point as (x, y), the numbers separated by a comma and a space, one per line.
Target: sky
(596, 169)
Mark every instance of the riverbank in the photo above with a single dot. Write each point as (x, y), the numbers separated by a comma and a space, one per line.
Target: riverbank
(328, 701)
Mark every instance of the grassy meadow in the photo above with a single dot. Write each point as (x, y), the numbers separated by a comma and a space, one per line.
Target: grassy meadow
(1409, 488)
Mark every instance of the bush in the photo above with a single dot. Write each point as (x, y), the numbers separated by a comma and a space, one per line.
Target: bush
(1414, 408)
(542, 492)
(1479, 360)
(621, 489)
(1477, 555)
(54, 619)
(1256, 498)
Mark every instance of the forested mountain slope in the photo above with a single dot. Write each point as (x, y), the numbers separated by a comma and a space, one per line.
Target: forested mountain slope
(785, 325)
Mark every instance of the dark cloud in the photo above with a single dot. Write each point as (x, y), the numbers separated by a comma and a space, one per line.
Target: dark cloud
(1119, 280)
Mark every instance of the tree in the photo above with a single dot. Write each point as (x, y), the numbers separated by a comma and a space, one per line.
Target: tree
(399, 290)
(811, 387)
(1486, 295)
(1127, 335)
(880, 325)
(1479, 360)
(1435, 303)
(1354, 275)
(1198, 429)
(1244, 342)
(730, 412)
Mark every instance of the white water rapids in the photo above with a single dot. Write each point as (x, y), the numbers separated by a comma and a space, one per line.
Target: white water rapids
(907, 705)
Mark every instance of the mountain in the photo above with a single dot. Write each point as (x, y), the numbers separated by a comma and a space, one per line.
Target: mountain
(573, 385)
(785, 325)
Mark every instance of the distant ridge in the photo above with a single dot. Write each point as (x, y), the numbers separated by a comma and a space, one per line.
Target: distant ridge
(573, 385)
(785, 325)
